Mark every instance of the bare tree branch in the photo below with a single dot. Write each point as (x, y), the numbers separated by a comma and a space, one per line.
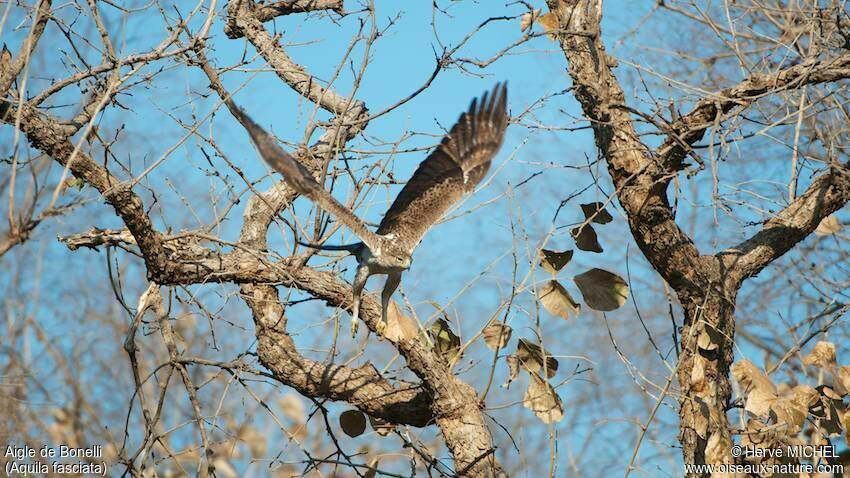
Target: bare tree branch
(828, 193)
(691, 127)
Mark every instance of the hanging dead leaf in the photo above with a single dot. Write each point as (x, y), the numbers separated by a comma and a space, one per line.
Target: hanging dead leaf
(760, 392)
(496, 335)
(841, 380)
(399, 326)
(708, 338)
(528, 19)
(759, 402)
(541, 398)
(752, 378)
(223, 468)
(717, 448)
(698, 382)
(586, 239)
(827, 411)
(255, 440)
(846, 422)
(760, 435)
(602, 290)
(446, 343)
(381, 426)
(513, 369)
(596, 212)
(829, 225)
(531, 357)
(353, 422)
(554, 261)
(557, 301)
(292, 407)
(805, 396)
(823, 355)
(829, 392)
(700, 412)
(786, 410)
(547, 20)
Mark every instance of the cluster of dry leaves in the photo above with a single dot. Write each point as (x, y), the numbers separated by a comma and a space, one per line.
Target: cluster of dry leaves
(778, 414)
(600, 289)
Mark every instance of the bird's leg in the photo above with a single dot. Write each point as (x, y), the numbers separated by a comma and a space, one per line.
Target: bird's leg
(393, 280)
(360, 279)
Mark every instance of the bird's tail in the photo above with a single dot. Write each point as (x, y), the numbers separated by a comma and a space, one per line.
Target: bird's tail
(351, 248)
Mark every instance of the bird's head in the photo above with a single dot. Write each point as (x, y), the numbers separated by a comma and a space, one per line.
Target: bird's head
(402, 261)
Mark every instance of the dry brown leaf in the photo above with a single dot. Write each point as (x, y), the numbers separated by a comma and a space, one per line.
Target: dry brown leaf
(549, 22)
(829, 392)
(255, 440)
(709, 339)
(554, 261)
(786, 410)
(827, 411)
(528, 19)
(399, 326)
(698, 383)
(586, 239)
(353, 422)
(596, 212)
(829, 225)
(513, 369)
(823, 355)
(751, 377)
(846, 422)
(759, 435)
(292, 407)
(446, 343)
(805, 396)
(557, 301)
(541, 398)
(759, 402)
(531, 355)
(716, 448)
(496, 335)
(701, 415)
(223, 468)
(381, 426)
(759, 390)
(841, 380)
(602, 290)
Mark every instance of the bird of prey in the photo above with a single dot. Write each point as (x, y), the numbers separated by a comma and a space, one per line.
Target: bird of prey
(453, 169)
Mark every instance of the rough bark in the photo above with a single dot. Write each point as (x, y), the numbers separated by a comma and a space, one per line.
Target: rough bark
(440, 398)
(706, 285)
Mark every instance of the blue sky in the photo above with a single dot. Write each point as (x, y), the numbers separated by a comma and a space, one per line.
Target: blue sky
(603, 406)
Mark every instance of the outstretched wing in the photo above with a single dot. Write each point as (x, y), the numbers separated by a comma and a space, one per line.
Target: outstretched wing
(299, 178)
(457, 165)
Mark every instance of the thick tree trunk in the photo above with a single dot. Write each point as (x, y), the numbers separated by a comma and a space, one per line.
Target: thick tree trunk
(706, 285)
(706, 340)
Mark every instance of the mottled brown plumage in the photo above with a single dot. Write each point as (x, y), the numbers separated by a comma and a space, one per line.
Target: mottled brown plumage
(453, 169)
